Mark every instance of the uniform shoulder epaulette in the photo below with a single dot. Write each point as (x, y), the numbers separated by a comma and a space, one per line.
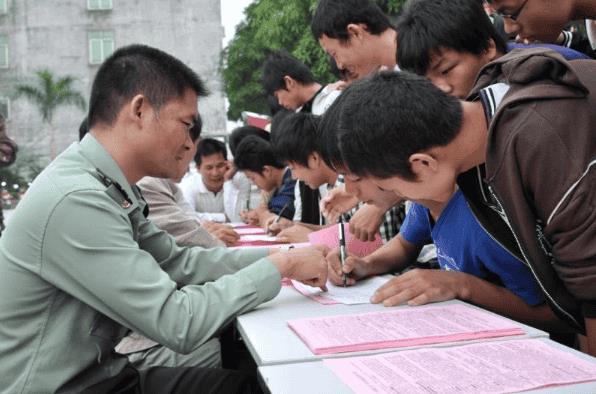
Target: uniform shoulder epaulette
(114, 190)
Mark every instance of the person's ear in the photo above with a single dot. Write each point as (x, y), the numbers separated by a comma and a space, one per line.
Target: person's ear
(135, 110)
(266, 172)
(356, 30)
(423, 164)
(289, 82)
(491, 51)
(314, 160)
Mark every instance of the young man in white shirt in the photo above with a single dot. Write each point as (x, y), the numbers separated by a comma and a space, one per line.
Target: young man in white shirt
(207, 191)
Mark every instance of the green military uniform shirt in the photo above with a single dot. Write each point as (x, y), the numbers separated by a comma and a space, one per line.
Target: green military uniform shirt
(80, 266)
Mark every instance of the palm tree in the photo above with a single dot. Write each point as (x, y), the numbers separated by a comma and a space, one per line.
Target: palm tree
(49, 94)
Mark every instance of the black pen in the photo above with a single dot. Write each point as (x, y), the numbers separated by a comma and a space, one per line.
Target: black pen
(279, 216)
(248, 198)
(281, 212)
(342, 250)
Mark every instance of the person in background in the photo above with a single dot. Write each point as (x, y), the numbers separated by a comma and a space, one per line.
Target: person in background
(8, 154)
(495, 19)
(541, 20)
(295, 142)
(360, 39)
(356, 34)
(208, 192)
(255, 157)
(291, 82)
(451, 51)
(238, 134)
(257, 198)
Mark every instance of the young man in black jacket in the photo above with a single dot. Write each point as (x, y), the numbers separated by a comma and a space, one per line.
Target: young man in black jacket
(528, 178)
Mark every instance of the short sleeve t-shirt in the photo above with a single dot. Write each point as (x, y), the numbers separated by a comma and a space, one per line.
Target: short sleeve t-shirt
(463, 245)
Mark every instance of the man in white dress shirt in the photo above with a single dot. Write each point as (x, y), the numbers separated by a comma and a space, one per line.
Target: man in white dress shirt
(208, 192)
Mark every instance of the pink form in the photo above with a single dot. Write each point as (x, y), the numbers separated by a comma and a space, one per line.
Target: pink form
(403, 327)
(487, 367)
(330, 236)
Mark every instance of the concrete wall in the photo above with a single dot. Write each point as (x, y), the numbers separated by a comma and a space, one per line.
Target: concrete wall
(54, 35)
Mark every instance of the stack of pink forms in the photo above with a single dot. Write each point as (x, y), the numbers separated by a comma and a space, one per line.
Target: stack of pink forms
(401, 327)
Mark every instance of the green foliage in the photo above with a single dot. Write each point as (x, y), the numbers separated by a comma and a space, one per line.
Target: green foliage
(271, 25)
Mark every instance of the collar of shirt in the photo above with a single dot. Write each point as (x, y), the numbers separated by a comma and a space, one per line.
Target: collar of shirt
(202, 188)
(102, 160)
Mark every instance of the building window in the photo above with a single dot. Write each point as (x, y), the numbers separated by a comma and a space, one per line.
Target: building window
(99, 5)
(101, 45)
(5, 107)
(3, 51)
(3, 6)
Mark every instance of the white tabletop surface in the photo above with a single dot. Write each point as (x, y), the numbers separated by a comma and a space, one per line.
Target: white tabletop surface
(271, 341)
(315, 378)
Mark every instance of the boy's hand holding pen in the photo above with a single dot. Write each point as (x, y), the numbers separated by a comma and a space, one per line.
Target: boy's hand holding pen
(277, 219)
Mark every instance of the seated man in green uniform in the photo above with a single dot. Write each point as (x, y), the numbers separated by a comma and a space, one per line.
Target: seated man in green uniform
(80, 265)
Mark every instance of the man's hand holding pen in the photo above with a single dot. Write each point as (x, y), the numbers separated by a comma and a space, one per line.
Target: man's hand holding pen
(354, 268)
(273, 222)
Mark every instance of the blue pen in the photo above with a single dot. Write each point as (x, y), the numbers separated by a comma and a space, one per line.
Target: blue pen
(342, 249)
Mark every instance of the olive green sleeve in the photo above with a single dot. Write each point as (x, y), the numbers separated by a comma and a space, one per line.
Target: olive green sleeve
(97, 260)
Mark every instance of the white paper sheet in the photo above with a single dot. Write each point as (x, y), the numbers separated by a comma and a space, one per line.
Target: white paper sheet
(360, 293)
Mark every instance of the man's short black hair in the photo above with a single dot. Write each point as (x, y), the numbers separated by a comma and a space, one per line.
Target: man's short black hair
(427, 26)
(196, 128)
(138, 69)
(278, 118)
(83, 128)
(332, 18)
(388, 117)
(273, 104)
(208, 147)
(254, 153)
(280, 64)
(296, 138)
(239, 133)
(328, 134)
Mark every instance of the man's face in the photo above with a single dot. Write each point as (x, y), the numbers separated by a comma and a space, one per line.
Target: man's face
(263, 180)
(168, 135)
(352, 55)
(185, 162)
(534, 20)
(455, 72)
(289, 97)
(437, 187)
(365, 190)
(309, 175)
(212, 169)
